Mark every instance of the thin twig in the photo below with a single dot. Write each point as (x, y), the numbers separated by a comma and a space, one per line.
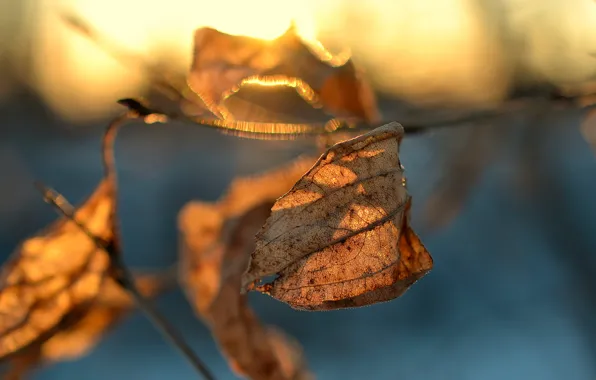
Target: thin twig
(121, 272)
(113, 248)
(125, 279)
(173, 87)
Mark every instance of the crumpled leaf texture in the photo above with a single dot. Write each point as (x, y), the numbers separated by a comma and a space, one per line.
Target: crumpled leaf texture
(54, 272)
(341, 236)
(223, 63)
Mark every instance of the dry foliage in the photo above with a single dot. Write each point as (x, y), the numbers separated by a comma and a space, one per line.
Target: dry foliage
(86, 326)
(309, 91)
(340, 238)
(336, 230)
(54, 273)
(223, 63)
(216, 242)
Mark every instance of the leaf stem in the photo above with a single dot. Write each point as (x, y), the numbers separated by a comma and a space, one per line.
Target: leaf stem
(125, 279)
(113, 248)
(123, 276)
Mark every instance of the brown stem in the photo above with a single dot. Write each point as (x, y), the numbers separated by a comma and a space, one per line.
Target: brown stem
(119, 270)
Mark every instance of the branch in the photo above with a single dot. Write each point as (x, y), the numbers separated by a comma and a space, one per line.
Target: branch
(119, 270)
(175, 89)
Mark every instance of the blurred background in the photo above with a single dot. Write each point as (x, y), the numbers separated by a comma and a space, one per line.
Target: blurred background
(505, 205)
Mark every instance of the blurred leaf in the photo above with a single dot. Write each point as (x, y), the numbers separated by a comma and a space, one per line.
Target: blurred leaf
(341, 237)
(225, 63)
(111, 305)
(216, 243)
(465, 154)
(246, 192)
(55, 272)
(87, 325)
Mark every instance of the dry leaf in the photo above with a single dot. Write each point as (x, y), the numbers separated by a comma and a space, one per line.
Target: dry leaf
(224, 63)
(86, 326)
(55, 272)
(250, 348)
(216, 243)
(112, 304)
(341, 236)
(202, 223)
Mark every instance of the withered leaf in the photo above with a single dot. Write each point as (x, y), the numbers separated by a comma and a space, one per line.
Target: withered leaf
(201, 225)
(341, 236)
(111, 305)
(216, 241)
(85, 326)
(55, 272)
(223, 63)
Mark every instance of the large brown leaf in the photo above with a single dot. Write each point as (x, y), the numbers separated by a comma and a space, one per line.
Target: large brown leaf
(224, 63)
(55, 272)
(216, 243)
(340, 237)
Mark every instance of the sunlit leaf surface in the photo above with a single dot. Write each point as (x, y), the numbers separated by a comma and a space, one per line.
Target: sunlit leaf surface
(341, 236)
(54, 272)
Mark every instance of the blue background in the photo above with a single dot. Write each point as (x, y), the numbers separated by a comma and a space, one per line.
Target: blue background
(511, 296)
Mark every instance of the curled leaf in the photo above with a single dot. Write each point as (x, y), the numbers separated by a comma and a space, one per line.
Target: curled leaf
(55, 272)
(341, 236)
(223, 64)
(216, 241)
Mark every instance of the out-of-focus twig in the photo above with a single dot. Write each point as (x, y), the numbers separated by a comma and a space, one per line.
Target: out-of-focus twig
(119, 271)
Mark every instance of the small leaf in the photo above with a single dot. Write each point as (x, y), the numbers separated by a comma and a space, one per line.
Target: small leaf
(55, 272)
(216, 243)
(341, 237)
(215, 282)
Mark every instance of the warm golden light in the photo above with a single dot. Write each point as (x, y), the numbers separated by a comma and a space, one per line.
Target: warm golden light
(80, 80)
(464, 52)
(302, 88)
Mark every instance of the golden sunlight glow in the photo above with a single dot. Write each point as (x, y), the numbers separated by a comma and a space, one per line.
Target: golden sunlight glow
(79, 80)
(425, 51)
(302, 88)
